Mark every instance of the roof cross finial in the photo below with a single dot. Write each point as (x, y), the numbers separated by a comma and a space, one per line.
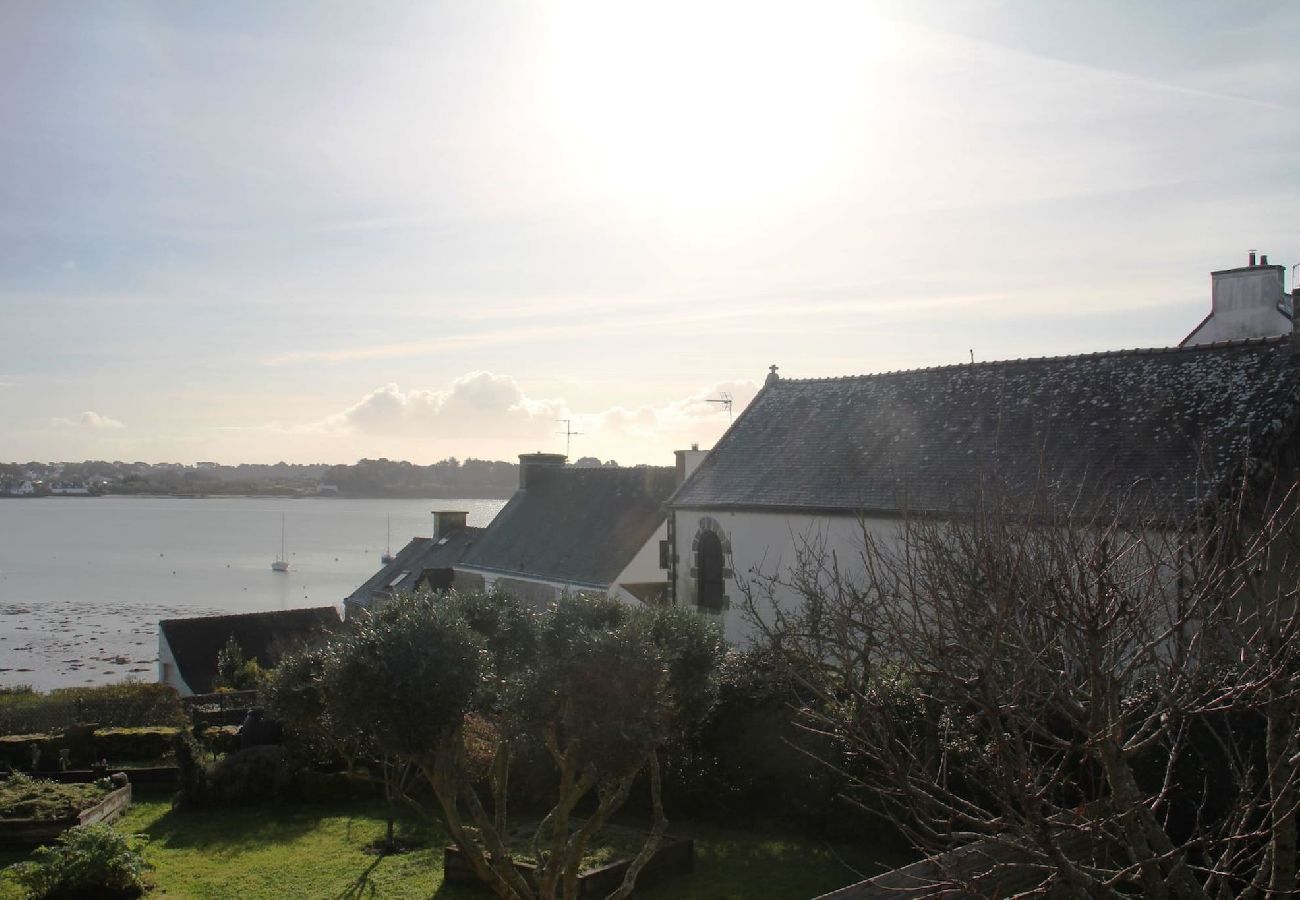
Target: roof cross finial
(771, 374)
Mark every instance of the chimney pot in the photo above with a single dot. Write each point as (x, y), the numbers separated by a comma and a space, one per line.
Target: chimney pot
(1252, 258)
(1263, 259)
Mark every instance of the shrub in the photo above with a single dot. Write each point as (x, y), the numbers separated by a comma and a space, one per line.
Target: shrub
(254, 776)
(235, 672)
(88, 861)
(193, 776)
(749, 758)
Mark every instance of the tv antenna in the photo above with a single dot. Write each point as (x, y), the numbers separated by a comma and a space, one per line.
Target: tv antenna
(568, 433)
(724, 398)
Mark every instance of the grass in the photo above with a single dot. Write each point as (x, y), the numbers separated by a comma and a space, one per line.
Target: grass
(319, 851)
(22, 797)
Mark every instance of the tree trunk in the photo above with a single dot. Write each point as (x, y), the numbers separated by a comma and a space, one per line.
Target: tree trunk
(657, 829)
(1164, 869)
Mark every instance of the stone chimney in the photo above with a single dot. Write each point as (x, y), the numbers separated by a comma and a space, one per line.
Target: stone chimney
(688, 461)
(446, 521)
(530, 463)
(1256, 286)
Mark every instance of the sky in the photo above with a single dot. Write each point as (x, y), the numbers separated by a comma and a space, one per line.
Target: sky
(317, 231)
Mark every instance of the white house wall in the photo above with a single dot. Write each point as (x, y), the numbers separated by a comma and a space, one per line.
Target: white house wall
(168, 671)
(644, 567)
(766, 543)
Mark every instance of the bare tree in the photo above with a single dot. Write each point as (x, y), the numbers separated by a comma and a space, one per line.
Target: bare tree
(1103, 701)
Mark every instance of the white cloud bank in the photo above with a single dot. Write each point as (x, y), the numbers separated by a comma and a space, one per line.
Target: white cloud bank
(487, 405)
(475, 405)
(90, 420)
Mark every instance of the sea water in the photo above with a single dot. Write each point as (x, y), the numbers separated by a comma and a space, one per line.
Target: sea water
(84, 580)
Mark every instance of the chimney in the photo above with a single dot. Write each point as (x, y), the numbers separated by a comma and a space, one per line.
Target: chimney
(688, 461)
(1257, 286)
(531, 463)
(446, 521)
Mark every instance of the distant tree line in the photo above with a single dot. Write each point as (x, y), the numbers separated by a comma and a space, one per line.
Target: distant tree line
(448, 478)
(367, 478)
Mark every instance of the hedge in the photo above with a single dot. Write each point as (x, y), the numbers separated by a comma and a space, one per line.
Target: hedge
(126, 705)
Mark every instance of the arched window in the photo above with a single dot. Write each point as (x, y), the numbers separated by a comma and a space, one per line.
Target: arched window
(708, 568)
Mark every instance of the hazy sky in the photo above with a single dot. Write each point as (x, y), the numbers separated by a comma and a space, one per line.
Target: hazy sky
(251, 231)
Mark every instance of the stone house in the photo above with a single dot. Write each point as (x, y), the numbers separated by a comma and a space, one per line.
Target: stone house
(817, 460)
(424, 563)
(596, 530)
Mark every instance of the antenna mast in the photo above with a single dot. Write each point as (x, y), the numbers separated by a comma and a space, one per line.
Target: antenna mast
(568, 433)
(724, 400)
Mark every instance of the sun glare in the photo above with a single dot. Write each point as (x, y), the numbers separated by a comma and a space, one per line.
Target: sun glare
(699, 105)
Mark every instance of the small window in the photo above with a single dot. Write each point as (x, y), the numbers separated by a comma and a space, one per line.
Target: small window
(397, 579)
(664, 554)
(711, 587)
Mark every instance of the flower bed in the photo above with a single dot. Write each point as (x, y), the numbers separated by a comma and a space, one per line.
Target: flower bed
(604, 864)
(34, 812)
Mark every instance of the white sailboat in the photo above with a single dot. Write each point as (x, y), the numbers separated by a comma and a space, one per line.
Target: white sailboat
(387, 556)
(281, 564)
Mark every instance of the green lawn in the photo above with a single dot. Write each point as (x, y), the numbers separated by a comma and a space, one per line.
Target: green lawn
(318, 851)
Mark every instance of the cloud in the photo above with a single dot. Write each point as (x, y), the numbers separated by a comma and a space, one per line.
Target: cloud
(475, 405)
(90, 420)
(495, 407)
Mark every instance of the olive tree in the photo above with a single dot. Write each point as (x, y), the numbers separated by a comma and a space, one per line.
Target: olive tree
(454, 685)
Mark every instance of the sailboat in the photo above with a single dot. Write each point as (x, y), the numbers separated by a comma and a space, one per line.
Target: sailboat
(387, 556)
(281, 564)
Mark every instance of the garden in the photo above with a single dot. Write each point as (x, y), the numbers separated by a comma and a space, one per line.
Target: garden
(453, 748)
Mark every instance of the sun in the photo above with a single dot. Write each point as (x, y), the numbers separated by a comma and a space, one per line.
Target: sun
(687, 106)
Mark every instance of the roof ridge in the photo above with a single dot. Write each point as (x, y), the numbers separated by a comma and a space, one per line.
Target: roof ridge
(258, 612)
(1097, 354)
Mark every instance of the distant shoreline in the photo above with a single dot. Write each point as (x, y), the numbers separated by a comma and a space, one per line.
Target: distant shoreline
(223, 496)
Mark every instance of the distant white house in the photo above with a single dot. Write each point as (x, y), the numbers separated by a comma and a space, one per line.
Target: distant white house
(25, 489)
(188, 648)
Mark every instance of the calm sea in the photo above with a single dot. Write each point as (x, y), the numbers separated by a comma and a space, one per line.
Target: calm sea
(84, 581)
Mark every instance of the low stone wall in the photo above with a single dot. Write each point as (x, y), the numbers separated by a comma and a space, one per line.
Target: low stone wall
(143, 778)
(25, 834)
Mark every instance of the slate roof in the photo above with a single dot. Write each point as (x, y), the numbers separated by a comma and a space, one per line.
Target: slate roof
(1175, 422)
(265, 636)
(419, 555)
(574, 526)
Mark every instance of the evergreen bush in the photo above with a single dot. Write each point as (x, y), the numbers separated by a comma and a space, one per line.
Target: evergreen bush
(88, 861)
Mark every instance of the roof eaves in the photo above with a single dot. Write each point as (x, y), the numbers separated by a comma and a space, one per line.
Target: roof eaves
(532, 576)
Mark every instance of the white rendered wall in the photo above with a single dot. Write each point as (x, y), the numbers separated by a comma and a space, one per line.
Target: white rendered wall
(644, 567)
(1244, 305)
(766, 543)
(168, 672)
